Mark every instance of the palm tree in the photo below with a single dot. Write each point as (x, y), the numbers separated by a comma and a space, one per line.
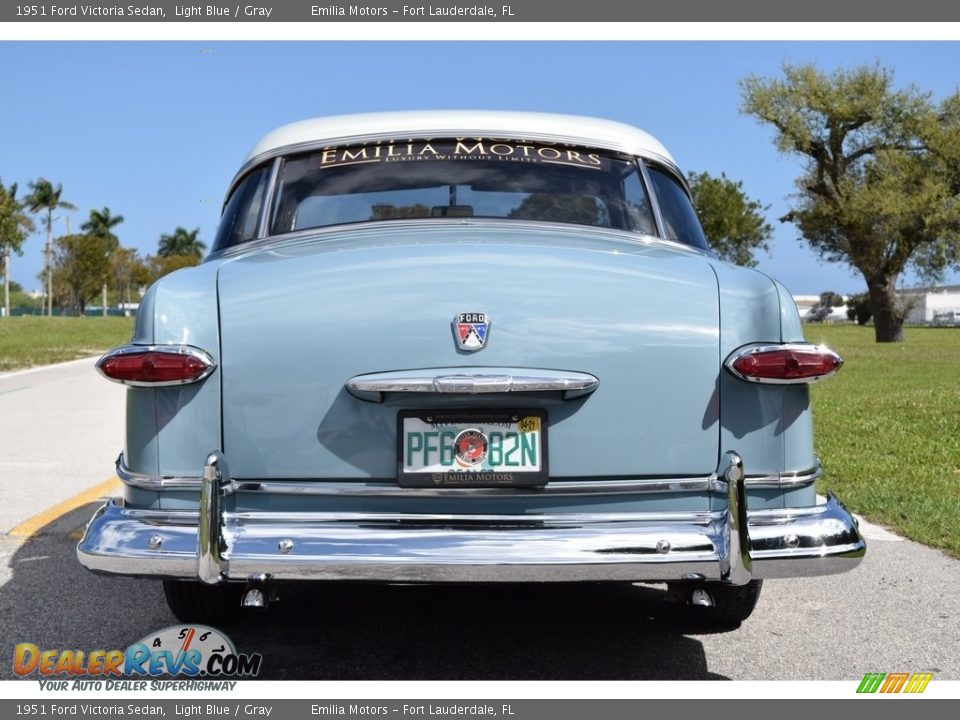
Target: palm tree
(101, 224)
(44, 196)
(182, 242)
(15, 226)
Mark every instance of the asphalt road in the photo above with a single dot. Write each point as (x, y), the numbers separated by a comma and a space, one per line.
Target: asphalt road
(60, 430)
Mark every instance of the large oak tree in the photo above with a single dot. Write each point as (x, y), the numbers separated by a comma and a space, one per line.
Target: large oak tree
(881, 183)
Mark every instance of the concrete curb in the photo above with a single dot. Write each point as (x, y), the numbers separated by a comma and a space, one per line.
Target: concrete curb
(41, 368)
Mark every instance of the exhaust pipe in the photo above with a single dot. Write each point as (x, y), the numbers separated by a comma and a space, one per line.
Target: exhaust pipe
(258, 593)
(254, 597)
(701, 598)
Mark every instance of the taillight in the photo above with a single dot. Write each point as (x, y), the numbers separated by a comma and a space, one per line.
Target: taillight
(783, 364)
(156, 365)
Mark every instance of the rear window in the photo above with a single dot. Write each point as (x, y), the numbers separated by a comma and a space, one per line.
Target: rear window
(680, 220)
(460, 178)
(238, 223)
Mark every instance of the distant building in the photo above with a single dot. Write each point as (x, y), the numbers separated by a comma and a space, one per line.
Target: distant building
(810, 310)
(932, 305)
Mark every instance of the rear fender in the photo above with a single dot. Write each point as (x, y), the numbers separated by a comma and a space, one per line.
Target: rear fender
(768, 425)
(171, 430)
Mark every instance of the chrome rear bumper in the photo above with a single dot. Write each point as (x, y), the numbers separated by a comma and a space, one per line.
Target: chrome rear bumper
(215, 544)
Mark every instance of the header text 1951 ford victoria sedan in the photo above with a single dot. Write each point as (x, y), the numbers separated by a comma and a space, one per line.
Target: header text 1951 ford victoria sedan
(466, 347)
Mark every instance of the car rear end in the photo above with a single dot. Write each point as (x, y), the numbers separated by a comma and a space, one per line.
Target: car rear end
(455, 398)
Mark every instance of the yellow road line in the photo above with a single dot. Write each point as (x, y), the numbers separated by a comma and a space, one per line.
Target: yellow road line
(31, 526)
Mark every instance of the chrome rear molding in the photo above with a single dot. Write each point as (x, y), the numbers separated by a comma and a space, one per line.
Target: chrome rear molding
(472, 381)
(553, 489)
(732, 545)
(158, 483)
(556, 486)
(786, 479)
(532, 521)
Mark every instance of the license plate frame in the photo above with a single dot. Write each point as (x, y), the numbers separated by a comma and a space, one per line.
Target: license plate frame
(507, 476)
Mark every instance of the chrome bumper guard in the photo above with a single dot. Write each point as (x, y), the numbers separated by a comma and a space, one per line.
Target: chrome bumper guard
(216, 544)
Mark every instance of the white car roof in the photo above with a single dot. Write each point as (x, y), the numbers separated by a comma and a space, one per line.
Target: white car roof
(569, 129)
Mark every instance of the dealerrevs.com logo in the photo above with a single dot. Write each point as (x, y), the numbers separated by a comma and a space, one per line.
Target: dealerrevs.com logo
(191, 651)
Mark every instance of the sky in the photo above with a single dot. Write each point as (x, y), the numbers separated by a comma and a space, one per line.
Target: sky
(156, 130)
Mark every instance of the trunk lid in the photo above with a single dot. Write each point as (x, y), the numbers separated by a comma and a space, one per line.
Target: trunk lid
(300, 319)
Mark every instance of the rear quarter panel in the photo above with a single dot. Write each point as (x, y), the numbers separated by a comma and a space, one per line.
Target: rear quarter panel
(170, 430)
(768, 425)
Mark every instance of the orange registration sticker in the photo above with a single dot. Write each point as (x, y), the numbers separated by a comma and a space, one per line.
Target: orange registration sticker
(531, 423)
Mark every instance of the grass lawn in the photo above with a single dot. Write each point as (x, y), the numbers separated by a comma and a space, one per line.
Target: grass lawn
(887, 429)
(30, 340)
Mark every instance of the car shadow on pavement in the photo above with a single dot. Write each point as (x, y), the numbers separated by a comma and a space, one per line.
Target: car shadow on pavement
(366, 632)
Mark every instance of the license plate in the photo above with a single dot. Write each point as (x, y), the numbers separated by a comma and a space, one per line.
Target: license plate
(472, 448)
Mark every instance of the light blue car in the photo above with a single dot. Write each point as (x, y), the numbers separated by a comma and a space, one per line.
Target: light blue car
(466, 347)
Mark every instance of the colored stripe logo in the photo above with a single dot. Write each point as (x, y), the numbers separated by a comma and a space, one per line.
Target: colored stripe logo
(894, 682)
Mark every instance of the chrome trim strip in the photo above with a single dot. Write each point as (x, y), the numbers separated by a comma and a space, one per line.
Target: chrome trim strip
(180, 518)
(489, 380)
(309, 234)
(153, 482)
(196, 352)
(770, 347)
(784, 480)
(263, 220)
(653, 199)
(536, 520)
(556, 487)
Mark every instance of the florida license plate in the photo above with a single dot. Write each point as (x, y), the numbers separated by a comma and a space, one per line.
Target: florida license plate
(472, 449)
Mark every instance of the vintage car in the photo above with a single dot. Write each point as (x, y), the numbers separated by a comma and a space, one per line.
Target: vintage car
(466, 347)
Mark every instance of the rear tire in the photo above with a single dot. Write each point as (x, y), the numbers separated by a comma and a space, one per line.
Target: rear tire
(732, 604)
(195, 602)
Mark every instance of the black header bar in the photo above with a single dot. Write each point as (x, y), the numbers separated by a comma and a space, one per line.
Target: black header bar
(531, 11)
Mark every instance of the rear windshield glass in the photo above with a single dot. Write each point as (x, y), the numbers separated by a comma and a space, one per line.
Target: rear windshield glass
(459, 179)
(680, 221)
(238, 223)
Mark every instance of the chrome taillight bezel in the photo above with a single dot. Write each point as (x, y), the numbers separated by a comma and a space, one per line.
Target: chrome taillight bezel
(761, 348)
(188, 350)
